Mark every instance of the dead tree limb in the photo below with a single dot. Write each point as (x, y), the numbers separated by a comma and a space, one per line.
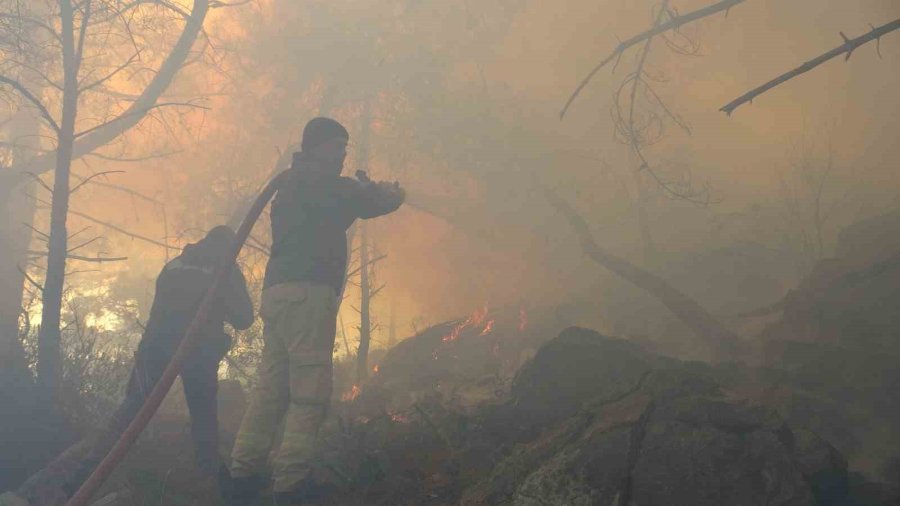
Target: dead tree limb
(673, 23)
(191, 336)
(685, 308)
(846, 48)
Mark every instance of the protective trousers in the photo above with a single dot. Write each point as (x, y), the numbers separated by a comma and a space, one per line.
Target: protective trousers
(294, 384)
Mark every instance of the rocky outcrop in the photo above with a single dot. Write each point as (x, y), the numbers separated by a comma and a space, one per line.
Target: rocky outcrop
(626, 427)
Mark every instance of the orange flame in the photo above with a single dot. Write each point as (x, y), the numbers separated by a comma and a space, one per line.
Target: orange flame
(488, 328)
(352, 394)
(375, 369)
(476, 319)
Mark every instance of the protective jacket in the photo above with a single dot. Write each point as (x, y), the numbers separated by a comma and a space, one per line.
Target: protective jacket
(310, 216)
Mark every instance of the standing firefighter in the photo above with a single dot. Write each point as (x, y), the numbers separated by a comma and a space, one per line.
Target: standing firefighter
(179, 289)
(311, 213)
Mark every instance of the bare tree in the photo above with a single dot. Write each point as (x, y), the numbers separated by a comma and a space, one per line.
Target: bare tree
(86, 32)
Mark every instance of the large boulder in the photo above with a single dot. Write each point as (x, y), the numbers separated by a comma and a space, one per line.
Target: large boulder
(577, 366)
(621, 426)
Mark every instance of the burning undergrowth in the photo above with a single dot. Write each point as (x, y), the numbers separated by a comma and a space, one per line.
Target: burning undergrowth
(465, 362)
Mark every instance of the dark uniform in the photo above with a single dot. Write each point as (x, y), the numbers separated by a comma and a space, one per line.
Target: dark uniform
(180, 288)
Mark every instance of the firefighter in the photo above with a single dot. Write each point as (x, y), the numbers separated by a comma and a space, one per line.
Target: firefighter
(311, 212)
(180, 287)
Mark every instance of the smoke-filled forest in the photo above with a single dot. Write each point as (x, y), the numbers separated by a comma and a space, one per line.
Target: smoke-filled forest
(420, 252)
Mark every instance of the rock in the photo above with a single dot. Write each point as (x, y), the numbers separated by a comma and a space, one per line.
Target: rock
(625, 427)
(577, 366)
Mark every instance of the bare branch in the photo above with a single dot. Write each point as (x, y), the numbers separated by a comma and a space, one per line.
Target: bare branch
(148, 97)
(37, 72)
(122, 230)
(36, 231)
(35, 22)
(29, 278)
(120, 188)
(40, 181)
(371, 262)
(133, 159)
(31, 98)
(138, 112)
(87, 180)
(847, 48)
(112, 74)
(97, 259)
(377, 290)
(85, 20)
(623, 46)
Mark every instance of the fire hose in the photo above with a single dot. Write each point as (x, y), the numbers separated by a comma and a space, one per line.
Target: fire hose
(191, 338)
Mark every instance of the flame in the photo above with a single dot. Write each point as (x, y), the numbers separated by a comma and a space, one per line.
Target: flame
(375, 369)
(399, 418)
(475, 319)
(352, 394)
(523, 319)
(488, 327)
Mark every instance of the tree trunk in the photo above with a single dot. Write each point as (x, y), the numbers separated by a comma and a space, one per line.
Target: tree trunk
(365, 319)
(681, 305)
(14, 239)
(365, 299)
(49, 357)
(18, 209)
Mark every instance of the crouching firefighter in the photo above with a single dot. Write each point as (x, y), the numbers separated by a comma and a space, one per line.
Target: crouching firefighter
(312, 210)
(180, 288)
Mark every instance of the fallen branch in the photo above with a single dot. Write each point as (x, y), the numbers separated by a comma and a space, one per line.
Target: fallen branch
(847, 48)
(685, 308)
(623, 46)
